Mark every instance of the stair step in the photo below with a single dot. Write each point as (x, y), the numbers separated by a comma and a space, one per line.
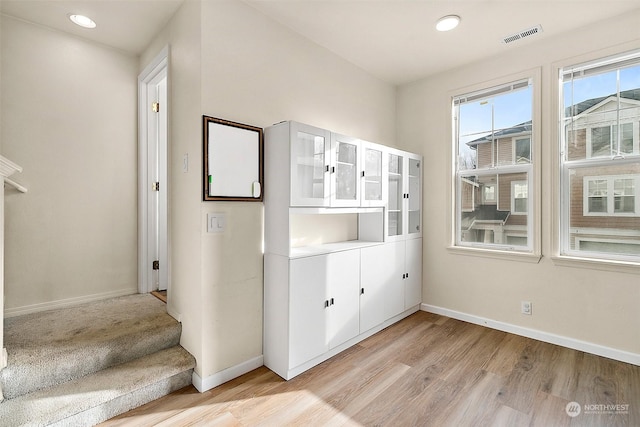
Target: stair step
(53, 347)
(102, 395)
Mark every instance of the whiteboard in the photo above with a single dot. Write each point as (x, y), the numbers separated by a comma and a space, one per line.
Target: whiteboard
(233, 160)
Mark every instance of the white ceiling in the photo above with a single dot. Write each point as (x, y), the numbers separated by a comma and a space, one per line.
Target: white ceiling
(394, 40)
(128, 25)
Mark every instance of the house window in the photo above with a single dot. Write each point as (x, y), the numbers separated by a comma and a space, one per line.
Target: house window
(604, 141)
(522, 150)
(600, 159)
(519, 197)
(493, 145)
(489, 193)
(611, 195)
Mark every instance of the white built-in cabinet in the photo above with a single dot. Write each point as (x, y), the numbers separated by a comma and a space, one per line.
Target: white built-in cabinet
(324, 292)
(354, 266)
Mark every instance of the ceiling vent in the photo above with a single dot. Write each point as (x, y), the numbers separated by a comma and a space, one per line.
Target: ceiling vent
(522, 34)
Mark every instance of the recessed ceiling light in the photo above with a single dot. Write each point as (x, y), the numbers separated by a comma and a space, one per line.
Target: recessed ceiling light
(447, 23)
(82, 20)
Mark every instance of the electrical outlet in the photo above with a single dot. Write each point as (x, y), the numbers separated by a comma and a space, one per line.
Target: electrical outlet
(526, 307)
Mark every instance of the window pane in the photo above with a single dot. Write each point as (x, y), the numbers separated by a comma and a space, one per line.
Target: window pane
(624, 195)
(493, 222)
(601, 175)
(487, 126)
(489, 193)
(601, 142)
(597, 193)
(523, 150)
(626, 138)
(493, 142)
(603, 205)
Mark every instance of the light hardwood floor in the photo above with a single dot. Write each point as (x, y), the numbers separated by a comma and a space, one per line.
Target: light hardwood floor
(426, 370)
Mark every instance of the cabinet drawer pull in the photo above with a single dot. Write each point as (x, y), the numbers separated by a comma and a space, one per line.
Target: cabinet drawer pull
(326, 168)
(326, 303)
(404, 276)
(361, 291)
(332, 302)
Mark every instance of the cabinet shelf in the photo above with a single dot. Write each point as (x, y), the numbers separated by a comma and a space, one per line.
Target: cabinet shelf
(329, 248)
(316, 211)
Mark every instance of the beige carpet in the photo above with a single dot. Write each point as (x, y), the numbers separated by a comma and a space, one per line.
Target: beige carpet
(51, 354)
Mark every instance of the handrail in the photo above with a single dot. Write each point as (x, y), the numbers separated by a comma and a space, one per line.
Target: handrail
(19, 187)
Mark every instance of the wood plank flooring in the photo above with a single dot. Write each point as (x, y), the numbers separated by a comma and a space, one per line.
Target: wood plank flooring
(427, 370)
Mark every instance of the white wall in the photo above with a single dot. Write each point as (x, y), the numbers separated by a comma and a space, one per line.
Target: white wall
(595, 306)
(257, 72)
(185, 299)
(69, 119)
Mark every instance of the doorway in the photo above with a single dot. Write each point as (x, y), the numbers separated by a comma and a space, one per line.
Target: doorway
(153, 243)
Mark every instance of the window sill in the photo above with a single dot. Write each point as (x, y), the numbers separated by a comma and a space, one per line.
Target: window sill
(597, 264)
(496, 254)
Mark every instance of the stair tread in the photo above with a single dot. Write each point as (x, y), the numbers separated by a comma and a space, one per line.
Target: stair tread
(43, 348)
(65, 400)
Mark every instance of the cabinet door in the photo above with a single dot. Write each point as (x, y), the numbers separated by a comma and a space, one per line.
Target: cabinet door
(310, 157)
(343, 283)
(373, 186)
(345, 171)
(395, 287)
(376, 276)
(307, 307)
(414, 199)
(396, 196)
(413, 271)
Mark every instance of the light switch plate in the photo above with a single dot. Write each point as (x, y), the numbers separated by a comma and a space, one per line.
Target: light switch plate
(216, 222)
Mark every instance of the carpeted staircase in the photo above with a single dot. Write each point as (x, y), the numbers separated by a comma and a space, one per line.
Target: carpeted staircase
(82, 365)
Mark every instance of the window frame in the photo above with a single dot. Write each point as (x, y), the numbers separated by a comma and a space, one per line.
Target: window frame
(562, 253)
(532, 252)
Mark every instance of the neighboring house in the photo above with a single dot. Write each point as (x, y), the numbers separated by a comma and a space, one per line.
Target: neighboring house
(604, 212)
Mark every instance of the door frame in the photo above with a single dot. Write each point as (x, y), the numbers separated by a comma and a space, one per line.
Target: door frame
(147, 174)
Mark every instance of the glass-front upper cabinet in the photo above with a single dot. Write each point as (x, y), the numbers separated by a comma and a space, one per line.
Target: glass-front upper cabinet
(414, 177)
(395, 226)
(310, 170)
(345, 171)
(374, 187)
(404, 177)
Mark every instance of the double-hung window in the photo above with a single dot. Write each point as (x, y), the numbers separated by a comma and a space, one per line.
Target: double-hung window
(493, 141)
(600, 159)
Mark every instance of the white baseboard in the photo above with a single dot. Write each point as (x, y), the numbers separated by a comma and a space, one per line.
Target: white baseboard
(204, 384)
(69, 302)
(587, 347)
